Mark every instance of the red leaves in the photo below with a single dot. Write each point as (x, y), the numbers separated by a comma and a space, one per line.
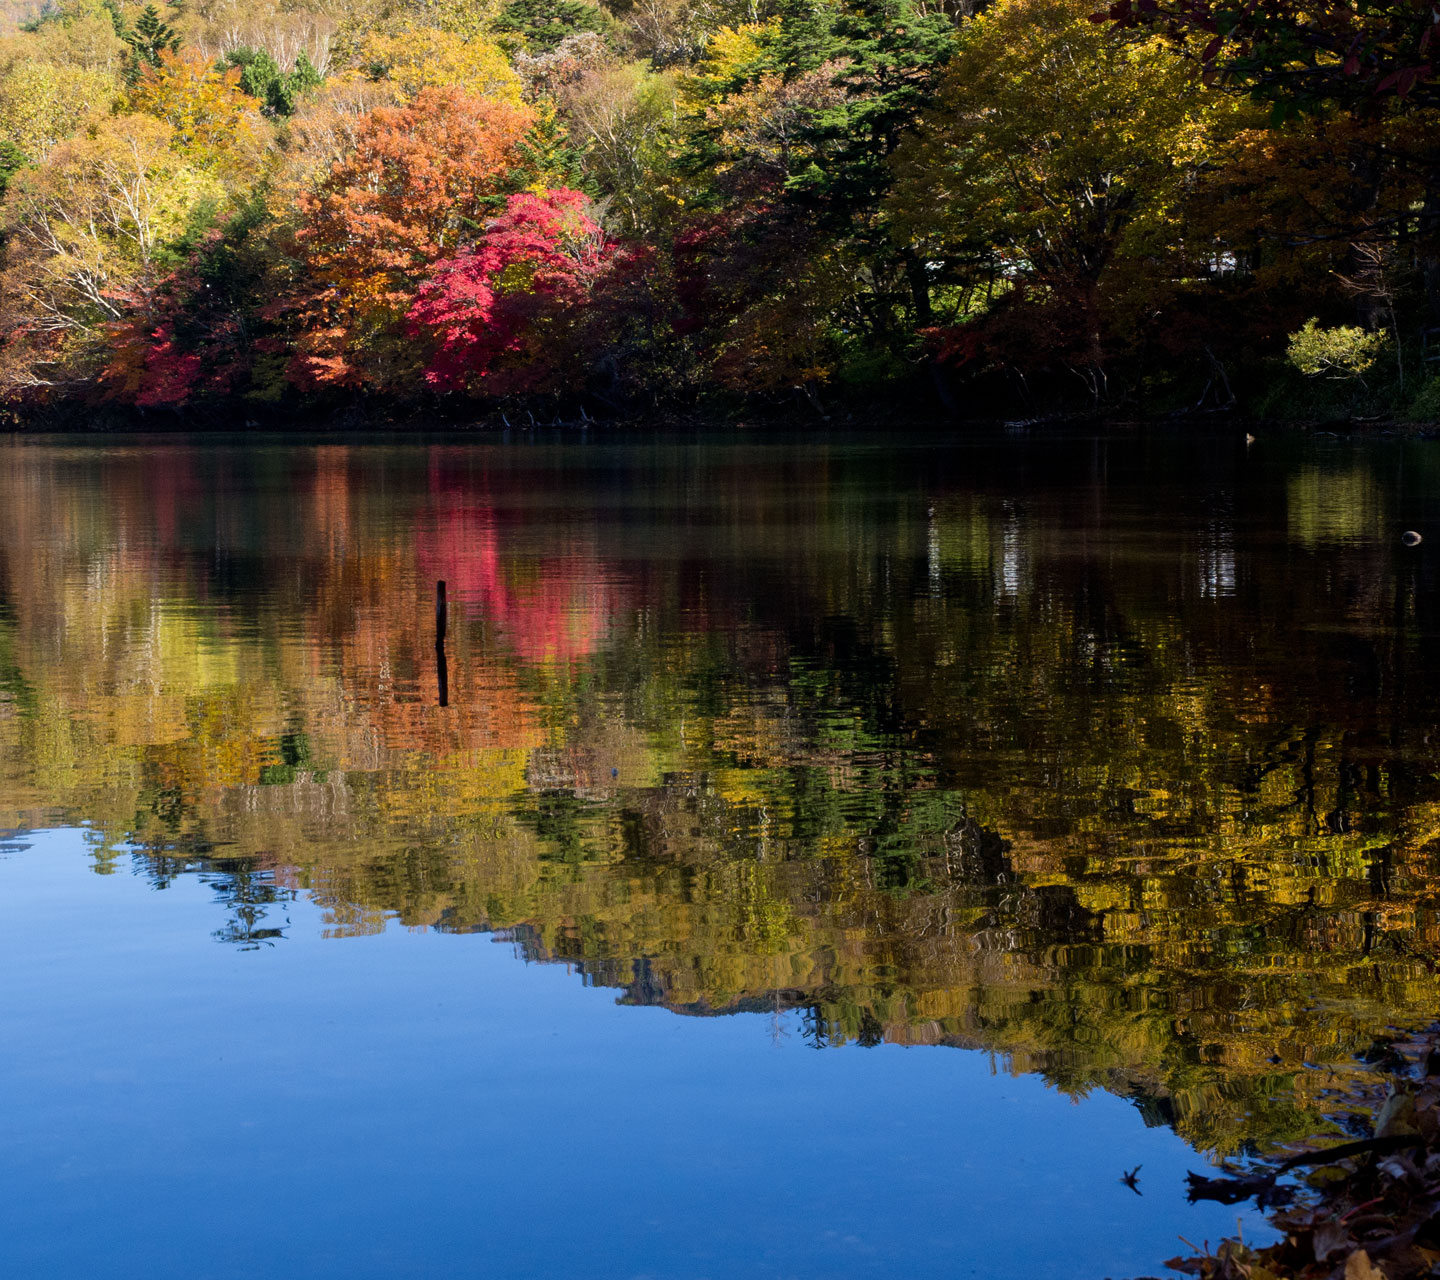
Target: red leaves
(418, 184)
(500, 315)
(1403, 80)
(172, 348)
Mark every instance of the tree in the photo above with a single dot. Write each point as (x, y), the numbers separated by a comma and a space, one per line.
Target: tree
(543, 24)
(1055, 148)
(1303, 56)
(201, 333)
(42, 103)
(890, 56)
(425, 57)
(505, 314)
(12, 160)
(828, 92)
(149, 40)
(90, 232)
(214, 123)
(619, 116)
(262, 78)
(420, 184)
(1368, 60)
(80, 33)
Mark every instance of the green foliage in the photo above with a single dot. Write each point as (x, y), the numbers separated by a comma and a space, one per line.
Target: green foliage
(1342, 352)
(543, 24)
(547, 156)
(1424, 405)
(149, 39)
(278, 91)
(12, 160)
(889, 56)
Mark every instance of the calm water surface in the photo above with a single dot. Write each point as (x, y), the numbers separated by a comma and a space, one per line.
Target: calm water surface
(831, 857)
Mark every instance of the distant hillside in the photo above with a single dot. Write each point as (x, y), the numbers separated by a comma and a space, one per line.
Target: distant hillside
(14, 12)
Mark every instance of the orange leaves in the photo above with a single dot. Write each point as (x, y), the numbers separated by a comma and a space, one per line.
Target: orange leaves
(419, 178)
(419, 183)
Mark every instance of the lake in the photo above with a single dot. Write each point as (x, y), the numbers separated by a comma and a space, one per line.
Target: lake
(798, 857)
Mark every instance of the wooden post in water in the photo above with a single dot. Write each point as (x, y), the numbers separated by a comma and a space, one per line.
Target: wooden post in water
(441, 669)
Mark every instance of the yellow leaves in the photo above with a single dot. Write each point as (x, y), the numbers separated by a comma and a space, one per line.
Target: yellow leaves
(42, 104)
(215, 126)
(415, 59)
(1058, 142)
(77, 34)
(101, 181)
(730, 56)
(1359, 1267)
(763, 121)
(467, 19)
(88, 226)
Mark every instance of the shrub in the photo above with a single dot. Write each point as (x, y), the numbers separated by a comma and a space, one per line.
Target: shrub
(1424, 406)
(1344, 352)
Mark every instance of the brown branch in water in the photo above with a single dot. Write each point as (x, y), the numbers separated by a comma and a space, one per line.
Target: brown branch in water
(1235, 1189)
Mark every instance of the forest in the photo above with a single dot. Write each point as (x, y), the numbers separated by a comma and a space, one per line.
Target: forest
(556, 210)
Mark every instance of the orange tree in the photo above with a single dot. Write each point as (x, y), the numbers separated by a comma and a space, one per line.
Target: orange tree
(419, 184)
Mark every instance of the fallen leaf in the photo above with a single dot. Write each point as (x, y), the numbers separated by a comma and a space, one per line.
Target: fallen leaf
(1397, 1116)
(1396, 1167)
(1359, 1267)
(1328, 1239)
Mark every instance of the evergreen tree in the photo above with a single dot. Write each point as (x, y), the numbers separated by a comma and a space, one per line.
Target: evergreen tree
(543, 24)
(12, 160)
(149, 41)
(278, 91)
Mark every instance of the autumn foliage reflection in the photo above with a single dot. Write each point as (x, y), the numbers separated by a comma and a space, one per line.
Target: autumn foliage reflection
(726, 732)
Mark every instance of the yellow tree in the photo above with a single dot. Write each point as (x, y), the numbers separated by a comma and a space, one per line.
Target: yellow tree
(1056, 149)
(423, 57)
(87, 234)
(72, 33)
(468, 19)
(214, 125)
(43, 103)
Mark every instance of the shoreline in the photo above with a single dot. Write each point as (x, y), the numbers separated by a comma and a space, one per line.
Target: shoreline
(1366, 1207)
(912, 417)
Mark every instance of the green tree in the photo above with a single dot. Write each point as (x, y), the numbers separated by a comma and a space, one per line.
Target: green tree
(543, 24)
(150, 39)
(278, 91)
(832, 90)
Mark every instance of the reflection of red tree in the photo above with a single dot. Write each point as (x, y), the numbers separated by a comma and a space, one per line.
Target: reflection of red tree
(330, 515)
(549, 608)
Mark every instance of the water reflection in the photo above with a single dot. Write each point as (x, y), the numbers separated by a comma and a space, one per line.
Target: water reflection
(1113, 757)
